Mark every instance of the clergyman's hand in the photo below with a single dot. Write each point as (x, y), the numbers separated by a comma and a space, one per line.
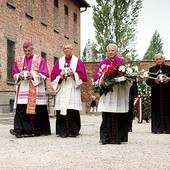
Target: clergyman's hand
(62, 77)
(167, 79)
(30, 77)
(71, 73)
(157, 80)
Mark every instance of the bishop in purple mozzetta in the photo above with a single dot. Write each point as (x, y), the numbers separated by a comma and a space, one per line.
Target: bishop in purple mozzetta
(114, 105)
(67, 76)
(29, 73)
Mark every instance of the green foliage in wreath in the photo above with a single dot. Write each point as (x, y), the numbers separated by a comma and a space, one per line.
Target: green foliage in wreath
(144, 92)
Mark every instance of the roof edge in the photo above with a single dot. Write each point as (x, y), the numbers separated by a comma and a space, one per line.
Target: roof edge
(83, 3)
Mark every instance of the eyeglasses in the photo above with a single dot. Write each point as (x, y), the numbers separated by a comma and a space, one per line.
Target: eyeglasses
(67, 48)
(111, 51)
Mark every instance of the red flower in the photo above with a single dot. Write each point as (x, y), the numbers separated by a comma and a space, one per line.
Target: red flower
(110, 70)
(120, 73)
(116, 65)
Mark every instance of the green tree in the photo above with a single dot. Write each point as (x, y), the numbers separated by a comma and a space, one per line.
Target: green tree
(103, 23)
(156, 46)
(116, 21)
(84, 54)
(95, 52)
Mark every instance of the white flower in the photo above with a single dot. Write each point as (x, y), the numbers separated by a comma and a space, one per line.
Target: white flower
(135, 68)
(122, 68)
(120, 79)
(143, 74)
(134, 74)
(129, 71)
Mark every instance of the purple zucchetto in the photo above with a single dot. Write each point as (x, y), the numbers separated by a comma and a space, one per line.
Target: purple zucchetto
(27, 44)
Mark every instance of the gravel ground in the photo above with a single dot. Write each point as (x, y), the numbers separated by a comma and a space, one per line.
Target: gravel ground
(144, 151)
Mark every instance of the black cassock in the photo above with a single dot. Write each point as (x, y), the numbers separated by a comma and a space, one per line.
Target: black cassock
(160, 101)
(37, 124)
(132, 94)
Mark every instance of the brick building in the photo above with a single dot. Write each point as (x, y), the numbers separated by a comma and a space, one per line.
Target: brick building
(47, 23)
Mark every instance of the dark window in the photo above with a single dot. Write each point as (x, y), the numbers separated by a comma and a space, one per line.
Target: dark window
(66, 21)
(10, 58)
(0, 71)
(44, 55)
(44, 12)
(75, 17)
(56, 16)
(29, 8)
(11, 4)
(66, 10)
(75, 35)
(56, 3)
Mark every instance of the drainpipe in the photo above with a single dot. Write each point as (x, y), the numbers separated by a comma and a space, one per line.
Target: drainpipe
(84, 10)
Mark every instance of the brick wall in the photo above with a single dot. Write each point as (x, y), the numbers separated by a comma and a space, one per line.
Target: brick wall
(87, 89)
(17, 27)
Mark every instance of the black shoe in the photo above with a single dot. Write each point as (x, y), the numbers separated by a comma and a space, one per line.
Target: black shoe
(37, 134)
(12, 132)
(47, 134)
(157, 132)
(118, 143)
(104, 142)
(18, 136)
(63, 135)
(129, 129)
(72, 135)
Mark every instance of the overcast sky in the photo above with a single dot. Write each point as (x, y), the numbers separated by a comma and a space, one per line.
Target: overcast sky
(155, 15)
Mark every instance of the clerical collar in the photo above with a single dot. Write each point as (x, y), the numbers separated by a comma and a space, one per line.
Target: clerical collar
(31, 56)
(68, 57)
(160, 66)
(113, 59)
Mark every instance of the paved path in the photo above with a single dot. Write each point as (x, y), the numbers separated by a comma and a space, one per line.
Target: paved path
(144, 151)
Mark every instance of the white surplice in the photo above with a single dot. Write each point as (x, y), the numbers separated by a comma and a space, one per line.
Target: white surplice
(116, 101)
(22, 88)
(68, 93)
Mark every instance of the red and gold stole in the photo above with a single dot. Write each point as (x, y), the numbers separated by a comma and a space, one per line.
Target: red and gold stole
(31, 105)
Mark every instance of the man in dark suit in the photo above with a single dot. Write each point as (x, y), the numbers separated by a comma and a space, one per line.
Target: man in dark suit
(133, 93)
(159, 80)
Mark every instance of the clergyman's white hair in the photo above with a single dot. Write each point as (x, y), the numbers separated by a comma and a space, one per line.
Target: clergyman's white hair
(158, 55)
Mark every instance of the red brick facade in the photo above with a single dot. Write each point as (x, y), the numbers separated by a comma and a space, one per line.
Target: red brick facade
(17, 25)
